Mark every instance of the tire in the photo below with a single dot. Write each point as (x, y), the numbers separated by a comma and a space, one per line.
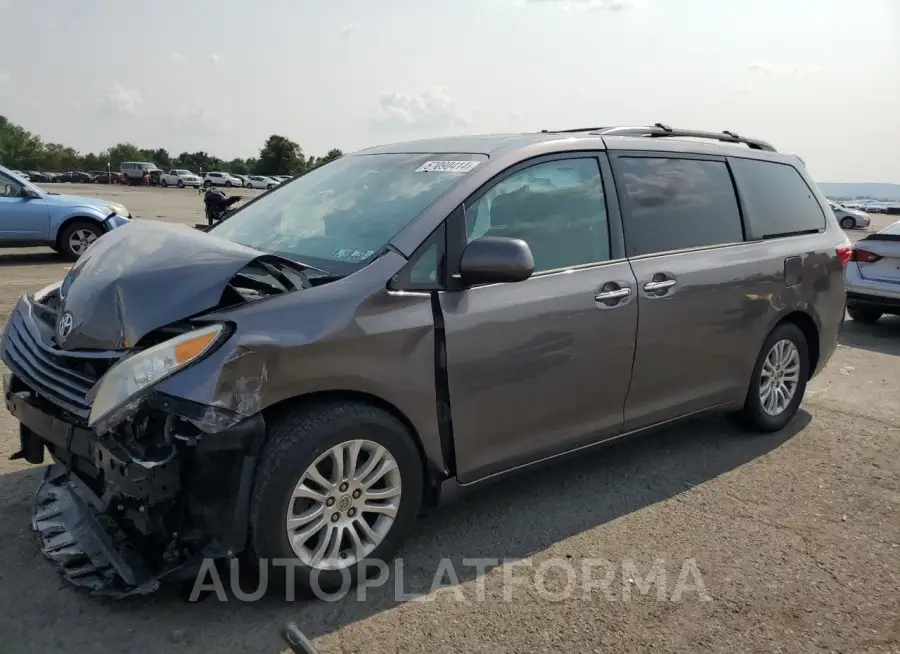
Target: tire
(228, 184)
(270, 186)
(207, 184)
(296, 441)
(180, 183)
(865, 315)
(848, 223)
(753, 416)
(164, 184)
(65, 244)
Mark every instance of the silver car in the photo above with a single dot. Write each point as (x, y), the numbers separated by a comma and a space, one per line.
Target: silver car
(873, 276)
(850, 218)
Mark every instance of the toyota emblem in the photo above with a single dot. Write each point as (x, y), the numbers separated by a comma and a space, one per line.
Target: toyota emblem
(64, 328)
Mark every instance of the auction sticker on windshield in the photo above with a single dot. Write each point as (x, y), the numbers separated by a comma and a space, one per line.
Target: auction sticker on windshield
(447, 166)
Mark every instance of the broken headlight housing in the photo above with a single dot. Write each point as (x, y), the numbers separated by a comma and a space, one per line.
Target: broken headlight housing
(121, 385)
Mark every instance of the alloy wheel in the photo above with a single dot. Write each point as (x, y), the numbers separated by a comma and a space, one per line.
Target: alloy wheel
(779, 377)
(80, 240)
(344, 505)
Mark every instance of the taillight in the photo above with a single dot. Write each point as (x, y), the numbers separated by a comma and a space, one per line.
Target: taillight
(864, 256)
(844, 252)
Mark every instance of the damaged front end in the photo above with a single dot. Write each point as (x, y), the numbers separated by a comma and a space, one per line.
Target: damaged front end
(143, 485)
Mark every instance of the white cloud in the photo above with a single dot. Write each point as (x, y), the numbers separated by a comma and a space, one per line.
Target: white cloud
(120, 101)
(176, 56)
(766, 68)
(433, 108)
(4, 78)
(214, 59)
(589, 5)
(349, 31)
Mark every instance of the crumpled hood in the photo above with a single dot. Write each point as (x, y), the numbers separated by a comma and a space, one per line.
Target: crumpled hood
(143, 276)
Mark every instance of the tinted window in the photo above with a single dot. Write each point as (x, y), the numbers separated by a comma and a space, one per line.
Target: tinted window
(9, 188)
(777, 199)
(675, 204)
(340, 215)
(558, 208)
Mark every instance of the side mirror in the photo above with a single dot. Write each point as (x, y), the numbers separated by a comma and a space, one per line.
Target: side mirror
(29, 194)
(496, 260)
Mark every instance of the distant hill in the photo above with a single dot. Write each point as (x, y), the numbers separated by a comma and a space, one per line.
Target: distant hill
(888, 192)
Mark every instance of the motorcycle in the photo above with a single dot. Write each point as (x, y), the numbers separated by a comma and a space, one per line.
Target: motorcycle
(218, 205)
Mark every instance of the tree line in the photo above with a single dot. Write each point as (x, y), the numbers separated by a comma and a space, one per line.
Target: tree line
(23, 150)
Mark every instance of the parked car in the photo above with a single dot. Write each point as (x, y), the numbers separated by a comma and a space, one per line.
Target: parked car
(181, 178)
(137, 173)
(20, 174)
(334, 354)
(260, 181)
(30, 217)
(222, 179)
(243, 179)
(74, 177)
(873, 276)
(282, 178)
(111, 177)
(38, 177)
(849, 218)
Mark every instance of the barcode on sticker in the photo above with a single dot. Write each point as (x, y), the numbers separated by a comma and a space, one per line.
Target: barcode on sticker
(447, 166)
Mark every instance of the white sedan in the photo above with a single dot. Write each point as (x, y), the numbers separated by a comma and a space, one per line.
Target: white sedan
(260, 181)
(180, 178)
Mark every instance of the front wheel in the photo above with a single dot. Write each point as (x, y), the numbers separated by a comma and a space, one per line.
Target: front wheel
(848, 223)
(865, 315)
(778, 381)
(228, 184)
(207, 184)
(165, 184)
(338, 485)
(76, 238)
(180, 183)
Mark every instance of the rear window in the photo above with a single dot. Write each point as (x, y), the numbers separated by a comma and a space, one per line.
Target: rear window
(778, 200)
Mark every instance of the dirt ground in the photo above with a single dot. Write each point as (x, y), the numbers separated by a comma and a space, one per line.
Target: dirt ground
(795, 537)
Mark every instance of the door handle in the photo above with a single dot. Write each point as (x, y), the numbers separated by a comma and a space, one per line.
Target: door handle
(661, 285)
(616, 294)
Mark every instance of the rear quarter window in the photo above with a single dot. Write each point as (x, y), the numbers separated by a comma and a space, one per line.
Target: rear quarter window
(777, 198)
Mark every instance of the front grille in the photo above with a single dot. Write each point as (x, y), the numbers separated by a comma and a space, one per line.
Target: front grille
(63, 378)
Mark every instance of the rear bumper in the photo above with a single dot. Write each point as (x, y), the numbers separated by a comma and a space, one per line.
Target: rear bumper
(860, 289)
(117, 522)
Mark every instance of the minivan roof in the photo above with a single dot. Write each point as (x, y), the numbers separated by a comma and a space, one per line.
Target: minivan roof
(661, 136)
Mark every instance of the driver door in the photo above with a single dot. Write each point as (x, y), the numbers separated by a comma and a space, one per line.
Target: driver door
(540, 367)
(22, 220)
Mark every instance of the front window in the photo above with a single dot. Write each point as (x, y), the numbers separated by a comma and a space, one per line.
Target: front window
(339, 216)
(183, 173)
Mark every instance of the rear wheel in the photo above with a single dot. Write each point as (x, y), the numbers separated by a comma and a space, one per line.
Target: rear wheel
(848, 223)
(778, 381)
(866, 315)
(76, 238)
(337, 485)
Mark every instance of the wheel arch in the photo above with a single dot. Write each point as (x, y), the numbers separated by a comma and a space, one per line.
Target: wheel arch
(68, 222)
(810, 330)
(433, 476)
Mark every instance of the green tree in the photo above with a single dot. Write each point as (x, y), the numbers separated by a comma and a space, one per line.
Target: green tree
(280, 156)
(123, 152)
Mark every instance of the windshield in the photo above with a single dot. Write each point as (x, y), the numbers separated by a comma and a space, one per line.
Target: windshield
(183, 172)
(339, 216)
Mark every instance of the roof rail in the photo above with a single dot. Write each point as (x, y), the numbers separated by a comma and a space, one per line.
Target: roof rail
(661, 130)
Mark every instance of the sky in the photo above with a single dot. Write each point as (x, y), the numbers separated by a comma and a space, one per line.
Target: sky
(817, 78)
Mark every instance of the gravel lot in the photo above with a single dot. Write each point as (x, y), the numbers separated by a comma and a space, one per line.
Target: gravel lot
(796, 535)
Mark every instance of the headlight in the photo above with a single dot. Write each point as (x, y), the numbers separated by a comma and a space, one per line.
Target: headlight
(142, 370)
(117, 208)
(45, 292)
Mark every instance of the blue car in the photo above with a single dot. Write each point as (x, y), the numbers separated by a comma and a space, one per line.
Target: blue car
(30, 216)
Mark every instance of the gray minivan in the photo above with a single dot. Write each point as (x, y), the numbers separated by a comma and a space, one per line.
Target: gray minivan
(298, 381)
